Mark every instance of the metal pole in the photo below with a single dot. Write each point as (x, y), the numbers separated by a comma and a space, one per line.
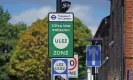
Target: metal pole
(89, 73)
(58, 6)
(93, 68)
(122, 48)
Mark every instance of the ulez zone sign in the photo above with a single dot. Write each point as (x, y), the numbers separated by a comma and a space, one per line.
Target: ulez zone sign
(60, 35)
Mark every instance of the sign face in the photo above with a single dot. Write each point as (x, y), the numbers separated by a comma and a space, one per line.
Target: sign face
(93, 56)
(73, 67)
(60, 35)
(59, 69)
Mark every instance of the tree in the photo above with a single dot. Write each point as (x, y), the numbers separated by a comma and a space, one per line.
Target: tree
(80, 33)
(8, 38)
(30, 59)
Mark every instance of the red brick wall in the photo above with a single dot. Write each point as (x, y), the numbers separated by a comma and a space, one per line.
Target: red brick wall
(128, 37)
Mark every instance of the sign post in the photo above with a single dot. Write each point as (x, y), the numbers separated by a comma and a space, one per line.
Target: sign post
(59, 69)
(93, 58)
(73, 67)
(60, 35)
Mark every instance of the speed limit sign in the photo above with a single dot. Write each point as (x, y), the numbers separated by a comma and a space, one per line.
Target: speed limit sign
(73, 67)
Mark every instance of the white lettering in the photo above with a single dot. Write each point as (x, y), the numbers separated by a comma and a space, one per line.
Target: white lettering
(60, 52)
(56, 25)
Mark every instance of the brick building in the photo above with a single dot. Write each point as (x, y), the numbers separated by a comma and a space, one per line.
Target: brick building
(117, 45)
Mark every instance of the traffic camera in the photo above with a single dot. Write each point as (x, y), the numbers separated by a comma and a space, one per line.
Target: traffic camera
(65, 6)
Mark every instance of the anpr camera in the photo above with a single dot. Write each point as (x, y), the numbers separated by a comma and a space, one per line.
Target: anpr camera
(65, 6)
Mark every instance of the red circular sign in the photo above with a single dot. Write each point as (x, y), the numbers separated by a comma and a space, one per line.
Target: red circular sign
(75, 64)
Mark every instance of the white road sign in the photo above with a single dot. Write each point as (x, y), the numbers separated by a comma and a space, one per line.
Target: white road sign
(73, 67)
(61, 17)
(61, 40)
(60, 66)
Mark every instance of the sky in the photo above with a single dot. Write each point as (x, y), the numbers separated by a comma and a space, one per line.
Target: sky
(90, 12)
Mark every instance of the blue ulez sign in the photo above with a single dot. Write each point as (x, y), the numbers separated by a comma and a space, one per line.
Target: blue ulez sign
(59, 69)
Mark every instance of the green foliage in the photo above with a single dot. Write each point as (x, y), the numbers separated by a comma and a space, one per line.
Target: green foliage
(4, 59)
(8, 39)
(4, 44)
(80, 33)
(30, 61)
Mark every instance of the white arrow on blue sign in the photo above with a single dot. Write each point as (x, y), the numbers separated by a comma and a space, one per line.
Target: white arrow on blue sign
(93, 56)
